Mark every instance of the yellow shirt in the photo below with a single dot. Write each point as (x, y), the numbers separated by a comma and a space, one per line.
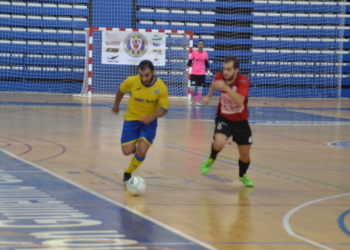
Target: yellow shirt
(144, 100)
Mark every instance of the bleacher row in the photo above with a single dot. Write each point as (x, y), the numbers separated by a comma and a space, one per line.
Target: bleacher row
(49, 36)
(42, 45)
(263, 31)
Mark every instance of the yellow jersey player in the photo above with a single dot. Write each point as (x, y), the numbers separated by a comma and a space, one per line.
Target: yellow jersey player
(148, 101)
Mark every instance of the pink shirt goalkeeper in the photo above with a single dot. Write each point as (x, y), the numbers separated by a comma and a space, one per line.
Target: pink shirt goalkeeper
(198, 62)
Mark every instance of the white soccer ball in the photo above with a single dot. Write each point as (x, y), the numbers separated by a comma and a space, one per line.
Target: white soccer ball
(136, 185)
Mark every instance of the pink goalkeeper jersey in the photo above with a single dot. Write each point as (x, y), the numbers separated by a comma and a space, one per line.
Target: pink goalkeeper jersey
(198, 62)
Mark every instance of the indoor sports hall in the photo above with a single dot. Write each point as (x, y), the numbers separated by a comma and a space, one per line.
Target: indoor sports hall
(61, 163)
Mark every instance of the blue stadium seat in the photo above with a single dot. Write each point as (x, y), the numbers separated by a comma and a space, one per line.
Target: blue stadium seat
(56, 62)
(42, 36)
(177, 4)
(10, 60)
(295, 44)
(30, 86)
(218, 65)
(61, 1)
(296, 68)
(295, 20)
(296, 57)
(43, 23)
(177, 17)
(221, 53)
(298, 8)
(11, 73)
(44, 11)
(296, 32)
(62, 75)
(24, 48)
(196, 29)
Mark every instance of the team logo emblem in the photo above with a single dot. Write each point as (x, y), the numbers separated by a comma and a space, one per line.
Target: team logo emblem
(156, 91)
(135, 45)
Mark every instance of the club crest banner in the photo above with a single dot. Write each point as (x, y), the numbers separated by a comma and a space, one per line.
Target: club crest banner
(130, 48)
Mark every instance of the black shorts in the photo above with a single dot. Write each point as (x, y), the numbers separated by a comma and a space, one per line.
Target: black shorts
(197, 80)
(240, 130)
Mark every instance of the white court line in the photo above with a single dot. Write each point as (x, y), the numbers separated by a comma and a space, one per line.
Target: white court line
(173, 230)
(291, 212)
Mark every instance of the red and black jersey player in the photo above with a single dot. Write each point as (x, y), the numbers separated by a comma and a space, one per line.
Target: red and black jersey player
(231, 117)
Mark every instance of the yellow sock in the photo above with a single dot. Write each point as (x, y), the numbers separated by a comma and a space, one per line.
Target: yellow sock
(134, 164)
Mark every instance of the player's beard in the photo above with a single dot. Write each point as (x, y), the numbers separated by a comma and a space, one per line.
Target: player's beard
(230, 78)
(148, 82)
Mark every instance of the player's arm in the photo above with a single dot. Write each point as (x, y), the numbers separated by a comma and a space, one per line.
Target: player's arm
(211, 91)
(239, 96)
(118, 98)
(207, 68)
(163, 104)
(236, 97)
(148, 119)
(124, 87)
(189, 63)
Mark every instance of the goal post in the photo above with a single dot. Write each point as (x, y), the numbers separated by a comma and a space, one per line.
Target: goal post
(103, 79)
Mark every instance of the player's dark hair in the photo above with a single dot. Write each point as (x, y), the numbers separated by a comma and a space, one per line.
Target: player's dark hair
(146, 64)
(200, 41)
(234, 60)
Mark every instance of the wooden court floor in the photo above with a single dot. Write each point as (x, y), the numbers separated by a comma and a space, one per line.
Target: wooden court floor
(301, 198)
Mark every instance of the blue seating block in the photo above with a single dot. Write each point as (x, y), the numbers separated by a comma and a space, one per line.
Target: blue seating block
(44, 11)
(177, 4)
(42, 36)
(16, 22)
(46, 49)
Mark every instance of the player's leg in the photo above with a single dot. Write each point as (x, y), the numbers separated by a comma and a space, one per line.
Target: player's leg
(129, 139)
(129, 148)
(242, 135)
(147, 134)
(221, 134)
(137, 160)
(193, 86)
(243, 163)
(200, 84)
(130, 134)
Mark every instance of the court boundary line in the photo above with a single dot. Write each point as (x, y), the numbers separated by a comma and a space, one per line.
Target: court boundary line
(146, 217)
(291, 212)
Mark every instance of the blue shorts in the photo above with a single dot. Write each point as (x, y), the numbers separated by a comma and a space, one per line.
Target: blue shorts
(135, 130)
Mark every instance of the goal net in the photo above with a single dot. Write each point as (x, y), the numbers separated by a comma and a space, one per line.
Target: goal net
(110, 58)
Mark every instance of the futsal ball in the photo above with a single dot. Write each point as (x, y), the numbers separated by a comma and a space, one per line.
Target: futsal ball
(136, 185)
